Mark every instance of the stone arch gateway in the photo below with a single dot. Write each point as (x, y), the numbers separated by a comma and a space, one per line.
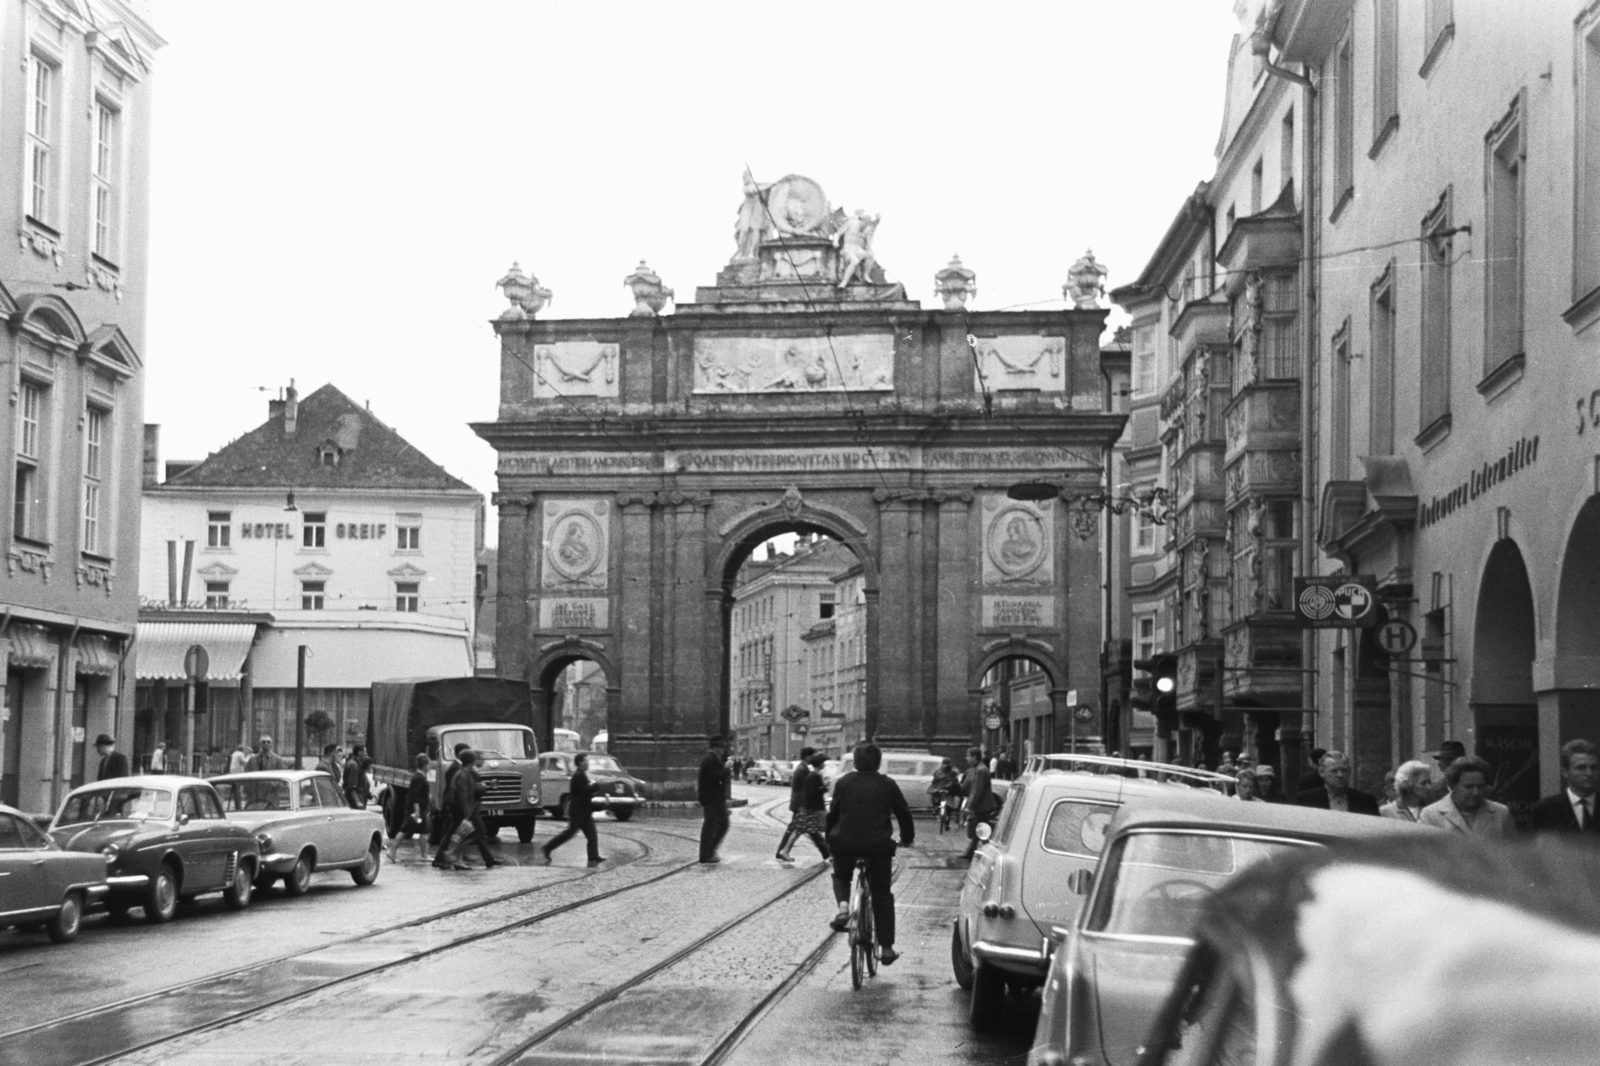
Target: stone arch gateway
(640, 457)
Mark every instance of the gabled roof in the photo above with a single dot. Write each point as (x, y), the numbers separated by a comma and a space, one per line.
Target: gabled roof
(371, 455)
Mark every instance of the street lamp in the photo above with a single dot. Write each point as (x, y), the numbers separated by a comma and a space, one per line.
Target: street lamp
(1153, 503)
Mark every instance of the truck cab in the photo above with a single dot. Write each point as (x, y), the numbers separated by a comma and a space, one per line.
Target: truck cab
(508, 764)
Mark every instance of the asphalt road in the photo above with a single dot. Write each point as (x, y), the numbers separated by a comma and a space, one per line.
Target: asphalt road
(650, 958)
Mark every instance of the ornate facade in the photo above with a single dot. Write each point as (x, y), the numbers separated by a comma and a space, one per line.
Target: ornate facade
(803, 392)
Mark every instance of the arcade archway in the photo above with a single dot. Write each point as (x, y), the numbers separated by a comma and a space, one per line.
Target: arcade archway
(1505, 711)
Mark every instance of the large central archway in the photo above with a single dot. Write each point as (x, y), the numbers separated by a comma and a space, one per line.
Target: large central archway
(642, 458)
(1505, 713)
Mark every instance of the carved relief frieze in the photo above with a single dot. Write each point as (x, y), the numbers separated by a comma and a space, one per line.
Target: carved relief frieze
(1237, 420)
(849, 362)
(576, 541)
(29, 561)
(574, 368)
(97, 576)
(1020, 362)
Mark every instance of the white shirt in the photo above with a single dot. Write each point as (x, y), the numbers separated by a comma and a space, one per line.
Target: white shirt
(1582, 808)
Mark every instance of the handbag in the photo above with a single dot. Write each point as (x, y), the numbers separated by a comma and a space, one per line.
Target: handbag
(463, 833)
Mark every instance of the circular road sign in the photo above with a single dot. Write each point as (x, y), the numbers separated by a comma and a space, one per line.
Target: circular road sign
(1352, 602)
(992, 720)
(1396, 637)
(195, 663)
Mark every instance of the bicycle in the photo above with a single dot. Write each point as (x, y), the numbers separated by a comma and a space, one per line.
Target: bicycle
(948, 807)
(863, 937)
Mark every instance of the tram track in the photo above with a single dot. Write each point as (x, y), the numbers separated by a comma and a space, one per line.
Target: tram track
(51, 1042)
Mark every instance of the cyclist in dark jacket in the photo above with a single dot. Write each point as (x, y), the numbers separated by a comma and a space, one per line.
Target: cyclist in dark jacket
(860, 823)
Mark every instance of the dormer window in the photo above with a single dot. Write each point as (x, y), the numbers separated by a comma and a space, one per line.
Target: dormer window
(328, 454)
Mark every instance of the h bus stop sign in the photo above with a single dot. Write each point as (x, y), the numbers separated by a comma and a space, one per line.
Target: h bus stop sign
(1396, 637)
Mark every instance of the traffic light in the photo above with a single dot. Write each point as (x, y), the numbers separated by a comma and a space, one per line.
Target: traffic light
(1159, 683)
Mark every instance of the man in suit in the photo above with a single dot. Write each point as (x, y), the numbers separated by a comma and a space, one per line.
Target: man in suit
(112, 762)
(1573, 809)
(1336, 793)
(1468, 809)
(713, 796)
(265, 758)
(580, 814)
(1312, 778)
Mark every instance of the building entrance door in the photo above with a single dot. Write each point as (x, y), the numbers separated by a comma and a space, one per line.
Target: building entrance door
(11, 739)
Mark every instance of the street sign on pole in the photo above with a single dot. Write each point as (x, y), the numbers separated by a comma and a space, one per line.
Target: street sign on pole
(1396, 637)
(992, 720)
(1340, 602)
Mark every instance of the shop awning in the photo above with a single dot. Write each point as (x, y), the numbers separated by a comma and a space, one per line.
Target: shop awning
(162, 646)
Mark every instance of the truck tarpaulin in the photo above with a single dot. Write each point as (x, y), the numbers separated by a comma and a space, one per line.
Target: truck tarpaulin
(402, 710)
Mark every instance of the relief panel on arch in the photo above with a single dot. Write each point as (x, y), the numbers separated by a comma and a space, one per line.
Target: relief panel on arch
(849, 362)
(1031, 363)
(574, 368)
(1017, 550)
(576, 544)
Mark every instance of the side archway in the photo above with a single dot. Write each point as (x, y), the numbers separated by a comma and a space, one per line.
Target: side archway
(1570, 708)
(1022, 680)
(1505, 711)
(546, 669)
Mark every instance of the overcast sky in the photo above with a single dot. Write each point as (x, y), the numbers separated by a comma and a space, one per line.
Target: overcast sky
(337, 184)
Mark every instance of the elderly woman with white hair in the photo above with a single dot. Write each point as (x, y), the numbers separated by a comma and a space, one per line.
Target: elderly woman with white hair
(1417, 784)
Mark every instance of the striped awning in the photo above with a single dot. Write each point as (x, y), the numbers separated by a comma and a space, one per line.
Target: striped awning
(162, 646)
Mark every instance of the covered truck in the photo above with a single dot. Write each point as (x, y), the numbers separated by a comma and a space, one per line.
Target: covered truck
(493, 715)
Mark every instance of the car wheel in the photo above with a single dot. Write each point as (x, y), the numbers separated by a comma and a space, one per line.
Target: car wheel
(63, 928)
(959, 962)
(525, 832)
(297, 882)
(161, 898)
(237, 895)
(622, 814)
(367, 872)
(988, 997)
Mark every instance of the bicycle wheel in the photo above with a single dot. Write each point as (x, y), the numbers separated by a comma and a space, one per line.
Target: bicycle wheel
(870, 940)
(858, 934)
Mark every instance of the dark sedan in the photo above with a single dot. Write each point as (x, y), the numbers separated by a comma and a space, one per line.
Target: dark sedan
(40, 884)
(163, 839)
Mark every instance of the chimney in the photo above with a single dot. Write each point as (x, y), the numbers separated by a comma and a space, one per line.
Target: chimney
(152, 454)
(291, 410)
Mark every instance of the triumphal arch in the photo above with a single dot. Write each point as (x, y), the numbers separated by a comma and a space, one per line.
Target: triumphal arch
(641, 458)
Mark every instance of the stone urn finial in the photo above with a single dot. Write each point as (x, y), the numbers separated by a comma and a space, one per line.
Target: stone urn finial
(1085, 282)
(524, 294)
(649, 295)
(956, 284)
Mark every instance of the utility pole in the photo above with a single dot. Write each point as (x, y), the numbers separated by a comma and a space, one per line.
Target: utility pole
(300, 710)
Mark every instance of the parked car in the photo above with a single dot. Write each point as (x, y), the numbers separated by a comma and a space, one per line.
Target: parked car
(1142, 769)
(302, 825)
(1434, 928)
(43, 885)
(163, 838)
(1017, 888)
(1162, 860)
(912, 771)
(770, 772)
(619, 791)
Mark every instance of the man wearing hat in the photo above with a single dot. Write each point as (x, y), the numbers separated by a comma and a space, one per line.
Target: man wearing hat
(713, 795)
(1449, 751)
(1267, 783)
(112, 762)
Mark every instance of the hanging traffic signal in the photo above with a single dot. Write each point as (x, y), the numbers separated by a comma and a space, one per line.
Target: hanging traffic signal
(1160, 681)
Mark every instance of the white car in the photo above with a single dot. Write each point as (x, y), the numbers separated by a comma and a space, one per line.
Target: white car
(911, 770)
(302, 824)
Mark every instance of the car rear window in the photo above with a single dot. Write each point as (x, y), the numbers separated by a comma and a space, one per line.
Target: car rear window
(1155, 883)
(329, 792)
(116, 803)
(1077, 828)
(10, 833)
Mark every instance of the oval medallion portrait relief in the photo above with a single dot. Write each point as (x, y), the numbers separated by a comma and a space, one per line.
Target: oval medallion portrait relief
(575, 545)
(1016, 541)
